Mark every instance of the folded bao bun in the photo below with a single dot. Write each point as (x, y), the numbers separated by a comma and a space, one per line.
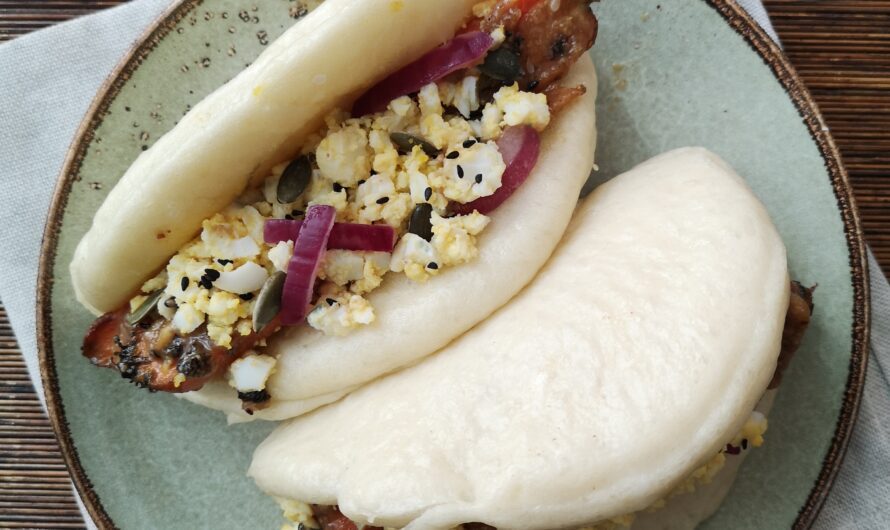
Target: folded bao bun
(416, 320)
(637, 352)
(235, 135)
(687, 510)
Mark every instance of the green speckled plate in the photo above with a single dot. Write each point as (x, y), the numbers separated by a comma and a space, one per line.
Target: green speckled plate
(685, 72)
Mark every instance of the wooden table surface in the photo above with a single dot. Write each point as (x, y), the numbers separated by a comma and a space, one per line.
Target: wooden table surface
(841, 48)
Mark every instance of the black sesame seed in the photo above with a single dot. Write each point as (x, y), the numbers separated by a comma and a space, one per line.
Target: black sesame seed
(171, 303)
(460, 171)
(338, 187)
(211, 274)
(452, 155)
(224, 262)
(184, 283)
(469, 143)
(427, 194)
(479, 178)
(246, 297)
(383, 200)
(298, 213)
(432, 265)
(205, 283)
(533, 85)
(330, 301)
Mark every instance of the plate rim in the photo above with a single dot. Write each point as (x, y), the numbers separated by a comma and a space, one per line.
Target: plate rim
(737, 18)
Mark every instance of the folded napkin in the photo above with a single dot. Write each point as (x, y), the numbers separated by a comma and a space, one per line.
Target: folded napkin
(49, 78)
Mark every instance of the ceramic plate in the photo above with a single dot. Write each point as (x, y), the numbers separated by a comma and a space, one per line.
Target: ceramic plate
(685, 72)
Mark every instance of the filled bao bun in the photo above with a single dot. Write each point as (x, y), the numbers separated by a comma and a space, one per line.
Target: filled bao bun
(235, 135)
(214, 261)
(636, 354)
(314, 369)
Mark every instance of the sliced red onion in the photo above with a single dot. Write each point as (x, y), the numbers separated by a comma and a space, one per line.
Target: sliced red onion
(309, 249)
(370, 238)
(344, 236)
(458, 53)
(519, 147)
(277, 230)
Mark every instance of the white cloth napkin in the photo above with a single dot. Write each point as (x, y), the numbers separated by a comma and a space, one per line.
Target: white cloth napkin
(47, 81)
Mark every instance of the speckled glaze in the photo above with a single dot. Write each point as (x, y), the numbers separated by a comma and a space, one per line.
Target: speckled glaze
(687, 72)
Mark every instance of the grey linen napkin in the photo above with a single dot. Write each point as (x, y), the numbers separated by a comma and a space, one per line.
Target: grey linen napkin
(47, 81)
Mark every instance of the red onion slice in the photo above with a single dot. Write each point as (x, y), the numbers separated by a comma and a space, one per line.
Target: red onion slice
(309, 249)
(519, 147)
(370, 238)
(277, 230)
(344, 236)
(459, 52)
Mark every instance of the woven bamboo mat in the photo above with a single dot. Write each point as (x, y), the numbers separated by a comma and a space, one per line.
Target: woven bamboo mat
(841, 48)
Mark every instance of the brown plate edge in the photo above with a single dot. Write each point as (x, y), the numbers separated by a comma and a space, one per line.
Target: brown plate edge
(775, 58)
(149, 39)
(738, 19)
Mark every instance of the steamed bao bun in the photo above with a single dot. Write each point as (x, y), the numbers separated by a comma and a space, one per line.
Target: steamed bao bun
(415, 321)
(636, 353)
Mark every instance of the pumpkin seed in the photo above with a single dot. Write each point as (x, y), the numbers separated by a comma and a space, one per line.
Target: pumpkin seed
(502, 64)
(420, 224)
(294, 180)
(405, 143)
(268, 303)
(144, 308)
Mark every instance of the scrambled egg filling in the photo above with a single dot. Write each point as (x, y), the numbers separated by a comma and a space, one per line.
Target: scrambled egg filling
(359, 169)
(299, 515)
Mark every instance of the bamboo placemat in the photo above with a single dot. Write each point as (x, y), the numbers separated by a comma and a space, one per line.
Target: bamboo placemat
(841, 48)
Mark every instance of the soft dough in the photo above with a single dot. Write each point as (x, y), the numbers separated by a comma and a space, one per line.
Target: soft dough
(637, 352)
(688, 510)
(415, 320)
(236, 134)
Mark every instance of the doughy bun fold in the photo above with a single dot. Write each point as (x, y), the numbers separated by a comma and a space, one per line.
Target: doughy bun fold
(235, 135)
(636, 353)
(416, 320)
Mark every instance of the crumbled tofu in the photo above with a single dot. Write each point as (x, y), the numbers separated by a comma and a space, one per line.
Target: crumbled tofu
(187, 319)
(229, 235)
(158, 282)
(281, 254)
(454, 238)
(343, 156)
(416, 257)
(466, 96)
(498, 36)
(247, 278)
(470, 173)
(338, 315)
(375, 267)
(250, 373)
(342, 266)
(522, 108)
